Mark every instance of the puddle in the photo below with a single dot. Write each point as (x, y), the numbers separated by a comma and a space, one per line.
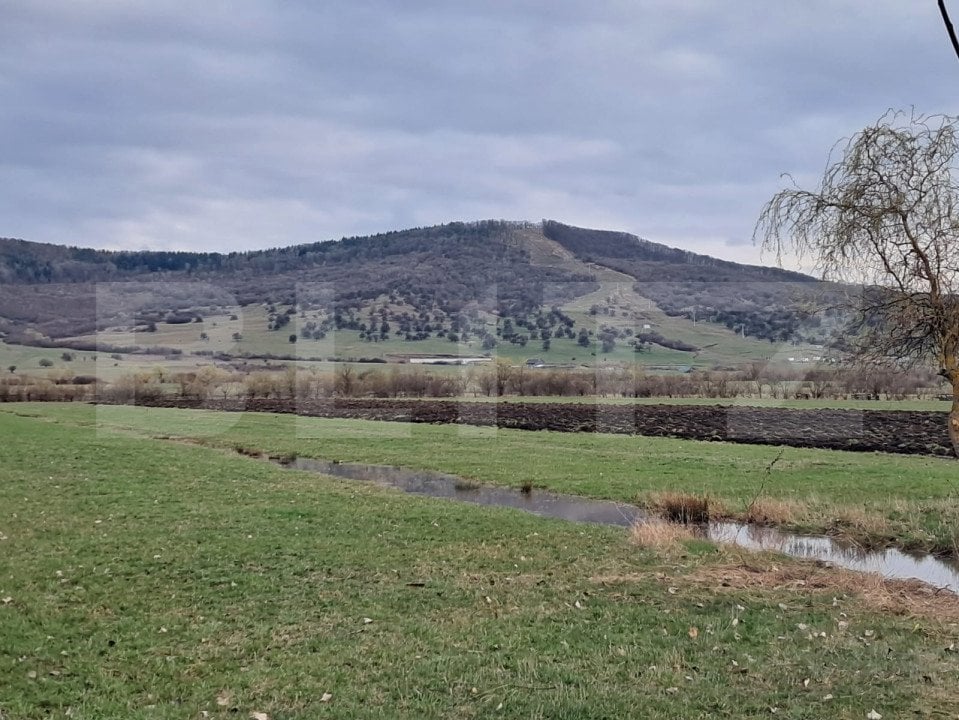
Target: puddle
(440, 485)
(891, 563)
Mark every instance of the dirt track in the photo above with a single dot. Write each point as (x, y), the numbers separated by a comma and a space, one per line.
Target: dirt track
(915, 433)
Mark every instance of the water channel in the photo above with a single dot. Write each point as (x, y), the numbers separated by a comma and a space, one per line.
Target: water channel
(890, 563)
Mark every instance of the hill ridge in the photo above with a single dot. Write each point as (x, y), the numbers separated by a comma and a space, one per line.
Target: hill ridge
(29, 261)
(485, 282)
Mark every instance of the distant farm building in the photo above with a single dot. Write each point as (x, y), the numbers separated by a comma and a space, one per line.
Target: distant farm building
(437, 359)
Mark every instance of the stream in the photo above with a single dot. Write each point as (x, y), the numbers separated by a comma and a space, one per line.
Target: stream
(890, 563)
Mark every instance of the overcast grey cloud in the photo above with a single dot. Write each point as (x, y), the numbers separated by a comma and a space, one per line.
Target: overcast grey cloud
(246, 124)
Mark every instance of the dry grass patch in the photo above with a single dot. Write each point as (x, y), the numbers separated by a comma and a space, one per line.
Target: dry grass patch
(683, 507)
(769, 511)
(904, 598)
(859, 523)
(659, 535)
(909, 598)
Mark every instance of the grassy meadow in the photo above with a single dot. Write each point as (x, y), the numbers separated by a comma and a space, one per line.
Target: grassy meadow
(244, 331)
(875, 499)
(143, 577)
(106, 367)
(254, 338)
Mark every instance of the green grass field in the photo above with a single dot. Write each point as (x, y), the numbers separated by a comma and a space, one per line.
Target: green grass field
(146, 578)
(873, 498)
(256, 339)
(102, 365)
(719, 344)
(27, 360)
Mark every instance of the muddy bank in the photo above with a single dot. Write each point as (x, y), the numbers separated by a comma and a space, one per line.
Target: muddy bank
(896, 431)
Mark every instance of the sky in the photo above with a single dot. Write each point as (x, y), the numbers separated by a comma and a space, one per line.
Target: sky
(219, 126)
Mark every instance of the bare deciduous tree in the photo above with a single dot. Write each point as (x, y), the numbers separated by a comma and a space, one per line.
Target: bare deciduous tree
(886, 218)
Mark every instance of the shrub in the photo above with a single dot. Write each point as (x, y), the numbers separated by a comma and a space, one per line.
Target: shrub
(682, 507)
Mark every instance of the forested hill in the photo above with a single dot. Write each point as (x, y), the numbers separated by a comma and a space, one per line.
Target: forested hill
(485, 242)
(652, 262)
(27, 262)
(516, 270)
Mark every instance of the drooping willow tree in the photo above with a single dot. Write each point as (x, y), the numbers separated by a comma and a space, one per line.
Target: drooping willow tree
(885, 218)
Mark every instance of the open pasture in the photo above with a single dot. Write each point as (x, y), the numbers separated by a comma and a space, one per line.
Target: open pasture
(153, 578)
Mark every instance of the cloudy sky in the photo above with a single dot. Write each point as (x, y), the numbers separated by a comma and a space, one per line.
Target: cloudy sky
(255, 123)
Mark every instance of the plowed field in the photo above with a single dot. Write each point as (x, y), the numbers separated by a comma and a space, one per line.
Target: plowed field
(911, 432)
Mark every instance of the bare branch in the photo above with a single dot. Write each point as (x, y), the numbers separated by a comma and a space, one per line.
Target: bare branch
(884, 219)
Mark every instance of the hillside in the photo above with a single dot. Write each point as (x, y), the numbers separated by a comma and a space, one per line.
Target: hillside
(762, 300)
(459, 288)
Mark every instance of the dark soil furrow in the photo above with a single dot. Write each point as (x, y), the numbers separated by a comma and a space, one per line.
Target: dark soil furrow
(896, 431)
